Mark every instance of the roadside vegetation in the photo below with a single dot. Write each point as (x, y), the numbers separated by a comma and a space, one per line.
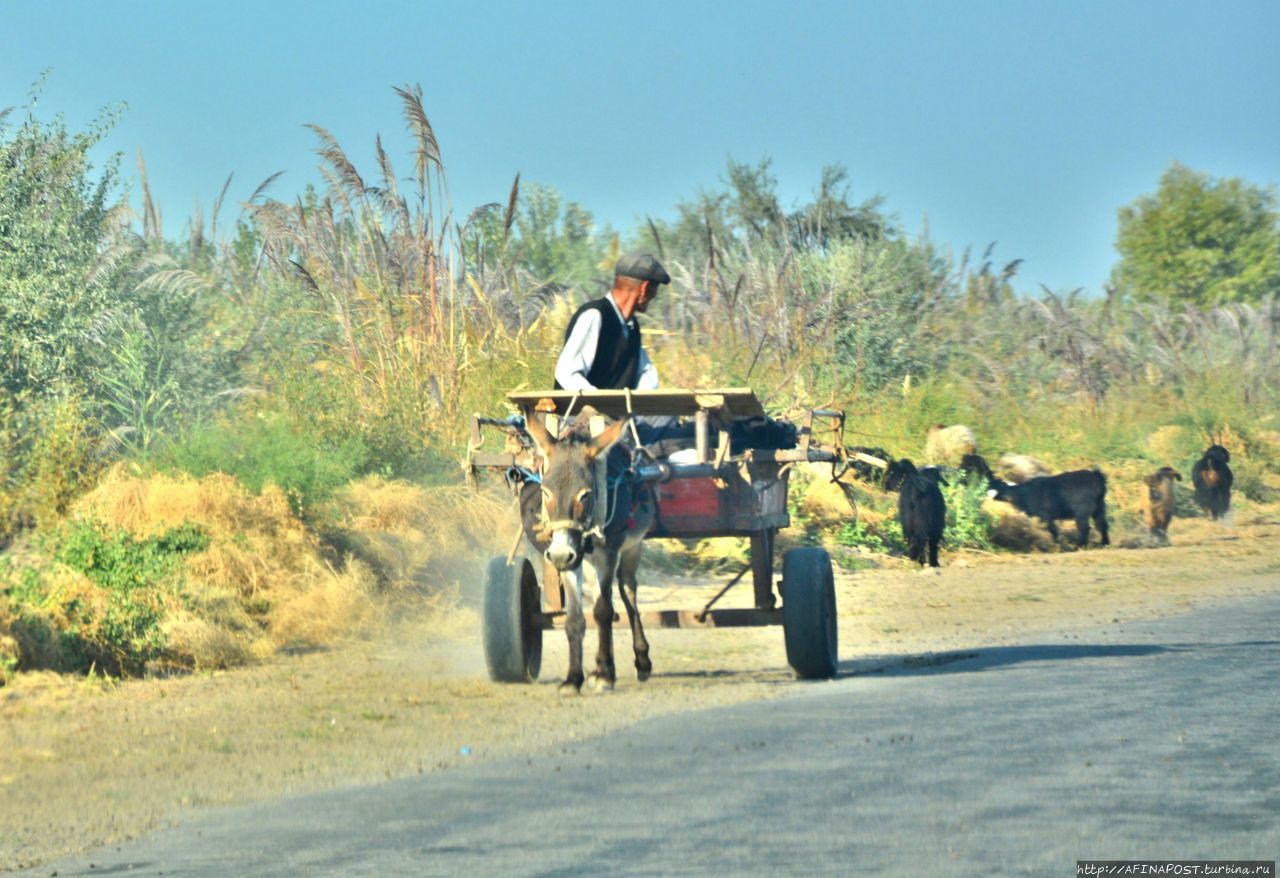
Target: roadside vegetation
(246, 437)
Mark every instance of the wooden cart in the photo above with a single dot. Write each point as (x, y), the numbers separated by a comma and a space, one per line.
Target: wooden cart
(705, 492)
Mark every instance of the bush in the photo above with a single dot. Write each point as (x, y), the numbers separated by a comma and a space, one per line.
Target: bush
(968, 524)
(49, 455)
(119, 563)
(264, 449)
(103, 602)
(886, 536)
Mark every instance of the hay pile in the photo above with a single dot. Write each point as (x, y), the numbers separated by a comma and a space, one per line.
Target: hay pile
(1011, 529)
(263, 584)
(267, 582)
(948, 445)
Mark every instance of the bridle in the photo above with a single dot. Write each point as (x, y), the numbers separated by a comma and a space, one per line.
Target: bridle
(595, 520)
(546, 525)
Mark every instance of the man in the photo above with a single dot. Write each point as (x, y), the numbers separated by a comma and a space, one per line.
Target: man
(602, 349)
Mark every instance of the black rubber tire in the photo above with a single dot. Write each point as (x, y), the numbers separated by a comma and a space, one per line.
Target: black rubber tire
(512, 642)
(809, 613)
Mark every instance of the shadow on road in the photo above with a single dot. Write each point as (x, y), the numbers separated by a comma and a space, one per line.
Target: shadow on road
(999, 657)
(964, 661)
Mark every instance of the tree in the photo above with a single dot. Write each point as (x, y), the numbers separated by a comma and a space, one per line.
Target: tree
(549, 240)
(58, 268)
(1199, 240)
(831, 217)
(746, 214)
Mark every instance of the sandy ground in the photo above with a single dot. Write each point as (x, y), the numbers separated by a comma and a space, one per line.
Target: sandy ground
(88, 762)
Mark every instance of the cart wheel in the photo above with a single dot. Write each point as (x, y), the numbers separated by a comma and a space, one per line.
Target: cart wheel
(809, 612)
(512, 641)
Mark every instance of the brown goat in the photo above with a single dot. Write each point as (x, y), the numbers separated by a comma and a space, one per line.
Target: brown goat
(1157, 501)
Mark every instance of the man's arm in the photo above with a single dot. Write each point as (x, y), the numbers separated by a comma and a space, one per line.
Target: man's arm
(648, 379)
(579, 352)
(652, 428)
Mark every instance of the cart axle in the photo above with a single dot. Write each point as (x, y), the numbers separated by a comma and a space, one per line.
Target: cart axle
(735, 617)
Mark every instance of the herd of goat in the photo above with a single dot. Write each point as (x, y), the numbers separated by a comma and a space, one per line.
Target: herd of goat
(1079, 495)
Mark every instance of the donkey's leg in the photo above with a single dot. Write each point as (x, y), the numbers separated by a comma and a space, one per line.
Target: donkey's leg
(629, 590)
(575, 627)
(605, 674)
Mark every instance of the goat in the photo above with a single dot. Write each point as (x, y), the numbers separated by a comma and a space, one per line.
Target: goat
(1212, 479)
(922, 510)
(949, 444)
(974, 467)
(1157, 501)
(1077, 495)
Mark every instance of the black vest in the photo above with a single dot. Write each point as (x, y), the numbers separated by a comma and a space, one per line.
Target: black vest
(617, 361)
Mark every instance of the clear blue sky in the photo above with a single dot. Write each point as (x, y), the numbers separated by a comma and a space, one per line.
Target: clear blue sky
(1023, 123)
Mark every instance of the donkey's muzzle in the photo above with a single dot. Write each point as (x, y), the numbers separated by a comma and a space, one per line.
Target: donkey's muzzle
(565, 551)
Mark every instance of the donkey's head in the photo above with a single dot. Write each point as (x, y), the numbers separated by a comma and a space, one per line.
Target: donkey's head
(572, 482)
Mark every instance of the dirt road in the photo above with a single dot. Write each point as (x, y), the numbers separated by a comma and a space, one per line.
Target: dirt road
(83, 763)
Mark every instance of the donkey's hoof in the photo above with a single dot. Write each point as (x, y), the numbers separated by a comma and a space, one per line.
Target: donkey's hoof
(601, 684)
(569, 688)
(643, 670)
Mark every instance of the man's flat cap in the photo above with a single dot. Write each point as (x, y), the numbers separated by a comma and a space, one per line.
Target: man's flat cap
(642, 266)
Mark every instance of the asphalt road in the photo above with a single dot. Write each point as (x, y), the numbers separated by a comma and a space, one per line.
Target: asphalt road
(1138, 741)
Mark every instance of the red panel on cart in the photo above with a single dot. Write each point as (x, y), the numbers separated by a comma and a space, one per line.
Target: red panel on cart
(689, 498)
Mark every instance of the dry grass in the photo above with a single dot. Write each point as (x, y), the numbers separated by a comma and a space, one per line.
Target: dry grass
(1012, 530)
(424, 540)
(824, 503)
(264, 582)
(267, 583)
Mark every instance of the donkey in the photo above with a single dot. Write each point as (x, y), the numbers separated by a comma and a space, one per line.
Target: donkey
(589, 530)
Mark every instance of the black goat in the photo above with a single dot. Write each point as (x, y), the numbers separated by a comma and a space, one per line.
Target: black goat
(975, 469)
(922, 510)
(863, 470)
(1212, 479)
(1077, 495)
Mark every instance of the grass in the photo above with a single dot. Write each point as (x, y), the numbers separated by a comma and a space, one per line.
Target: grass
(101, 599)
(350, 332)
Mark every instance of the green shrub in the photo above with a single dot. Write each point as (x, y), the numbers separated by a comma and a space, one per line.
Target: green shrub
(119, 563)
(885, 537)
(119, 628)
(1250, 481)
(266, 449)
(34, 622)
(968, 524)
(49, 454)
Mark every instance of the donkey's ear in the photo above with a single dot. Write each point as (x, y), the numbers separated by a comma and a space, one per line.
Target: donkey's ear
(538, 433)
(608, 438)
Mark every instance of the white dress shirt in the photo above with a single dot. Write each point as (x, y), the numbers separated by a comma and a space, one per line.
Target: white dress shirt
(580, 352)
